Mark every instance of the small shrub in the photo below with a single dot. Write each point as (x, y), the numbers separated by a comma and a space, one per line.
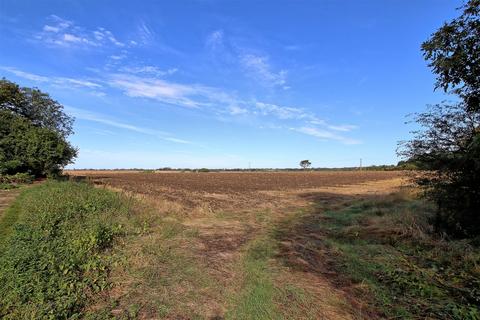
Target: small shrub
(18, 178)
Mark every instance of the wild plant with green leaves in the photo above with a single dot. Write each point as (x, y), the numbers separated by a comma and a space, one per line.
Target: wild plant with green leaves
(55, 247)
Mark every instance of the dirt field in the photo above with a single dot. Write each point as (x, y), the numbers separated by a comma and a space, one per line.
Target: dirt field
(238, 190)
(195, 261)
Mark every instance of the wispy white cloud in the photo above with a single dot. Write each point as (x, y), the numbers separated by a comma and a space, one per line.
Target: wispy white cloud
(148, 70)
(259, 68)
(145, 34)
(282, 112)
(210, 100)
(57, 81)
(256, 66)
(104, 35)
(325, 135)
(99, 118)
(217, 102)
(214, 40)
(118, 57)
(62, 81)
(25, 75)
(65, 33)
(236, 110)
(48, 28)
(342, 127)
(185, 95)
(158, 89)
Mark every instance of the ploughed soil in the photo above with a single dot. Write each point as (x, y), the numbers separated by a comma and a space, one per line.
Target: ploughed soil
(230, 190)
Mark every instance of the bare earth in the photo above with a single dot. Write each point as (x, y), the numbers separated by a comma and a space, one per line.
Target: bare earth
(227, 211)
(6, 199)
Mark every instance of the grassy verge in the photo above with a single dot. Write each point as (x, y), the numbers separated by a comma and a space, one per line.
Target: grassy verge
(160, 278)
(55, 241)
(257, 297)
(264, 292)
(385, 249)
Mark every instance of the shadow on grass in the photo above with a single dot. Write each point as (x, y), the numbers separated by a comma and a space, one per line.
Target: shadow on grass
(381, 251)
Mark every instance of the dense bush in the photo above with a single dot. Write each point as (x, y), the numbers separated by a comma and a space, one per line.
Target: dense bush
(54, 257)
(25, 147)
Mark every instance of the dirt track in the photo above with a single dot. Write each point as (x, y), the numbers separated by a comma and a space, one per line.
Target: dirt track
(6, 199)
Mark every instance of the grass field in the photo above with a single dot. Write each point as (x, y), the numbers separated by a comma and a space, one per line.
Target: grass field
(286, 245)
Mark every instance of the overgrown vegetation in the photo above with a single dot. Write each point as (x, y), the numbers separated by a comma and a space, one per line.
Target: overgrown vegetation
(55, 243)
(448, 146)
(384, 252)
(13, 181)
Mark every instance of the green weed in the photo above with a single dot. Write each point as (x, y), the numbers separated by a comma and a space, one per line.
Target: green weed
(55, 241)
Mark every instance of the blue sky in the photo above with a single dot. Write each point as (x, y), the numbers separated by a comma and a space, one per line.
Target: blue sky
(224, 84)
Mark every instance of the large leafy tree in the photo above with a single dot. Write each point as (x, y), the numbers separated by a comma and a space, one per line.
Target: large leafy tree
(36, 106)
(448, 145)
(33, 131)
(25, 147)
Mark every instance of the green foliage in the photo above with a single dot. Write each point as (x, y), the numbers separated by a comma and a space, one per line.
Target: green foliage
(54, 250)
(36, 106)
(27, 148)
(18, 178)
(449, 144)
(454, 55)
(408, 272)
(305, 164)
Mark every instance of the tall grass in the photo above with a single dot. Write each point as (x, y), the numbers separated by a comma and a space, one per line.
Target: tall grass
(387, 247)
(55, 242)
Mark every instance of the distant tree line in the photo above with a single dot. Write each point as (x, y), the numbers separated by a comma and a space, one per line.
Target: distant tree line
(33, 132)
(403, 165)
